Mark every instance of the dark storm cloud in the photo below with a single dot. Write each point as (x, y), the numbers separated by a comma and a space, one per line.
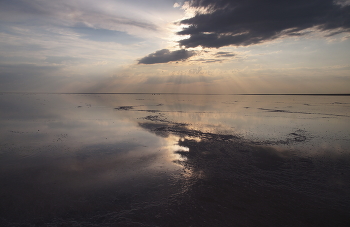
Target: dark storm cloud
(246, 22)
(165, 55)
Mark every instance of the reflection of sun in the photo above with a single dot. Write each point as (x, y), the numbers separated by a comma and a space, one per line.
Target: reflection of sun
(187, 172)
(172, 145)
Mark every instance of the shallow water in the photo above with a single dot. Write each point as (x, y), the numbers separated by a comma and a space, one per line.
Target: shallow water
(174, 160)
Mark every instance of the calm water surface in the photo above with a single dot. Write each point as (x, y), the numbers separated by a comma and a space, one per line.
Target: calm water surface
(174, 160)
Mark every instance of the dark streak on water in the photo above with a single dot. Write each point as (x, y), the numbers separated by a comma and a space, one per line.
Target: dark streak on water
(287, 111)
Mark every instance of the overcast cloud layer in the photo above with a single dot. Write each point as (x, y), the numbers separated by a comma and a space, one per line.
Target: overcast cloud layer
(246, 22)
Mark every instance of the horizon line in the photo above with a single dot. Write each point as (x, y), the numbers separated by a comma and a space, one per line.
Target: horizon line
(170, 93)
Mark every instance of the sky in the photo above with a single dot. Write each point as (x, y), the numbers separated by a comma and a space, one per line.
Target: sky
(169, 46)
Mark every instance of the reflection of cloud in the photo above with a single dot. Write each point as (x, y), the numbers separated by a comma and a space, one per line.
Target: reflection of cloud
(165, 55)
(242, 23)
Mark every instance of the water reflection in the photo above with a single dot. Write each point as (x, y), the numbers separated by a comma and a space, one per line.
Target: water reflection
(174, 160)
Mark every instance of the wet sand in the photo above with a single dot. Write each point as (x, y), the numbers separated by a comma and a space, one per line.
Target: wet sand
(174, 160)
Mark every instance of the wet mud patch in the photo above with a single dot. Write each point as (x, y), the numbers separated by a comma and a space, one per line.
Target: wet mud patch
(340, 103)
(150, 111)
(133, 108)
(181, 130)
(240, 182)
(298, 136)
(234, 102)
(301, 112)
(156, 118)
(124, 108)
(267, 158)
(162, 118)
(252, 182)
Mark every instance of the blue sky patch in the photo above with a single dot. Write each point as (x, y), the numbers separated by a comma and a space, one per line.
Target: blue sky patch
(105, 35)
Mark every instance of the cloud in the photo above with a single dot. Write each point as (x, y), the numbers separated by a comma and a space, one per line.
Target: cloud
(208, 60)
(218, 57)
(165, 55)
(247, 22)
(70, 13)
(176, 5)
(224, 54)
(62, 60)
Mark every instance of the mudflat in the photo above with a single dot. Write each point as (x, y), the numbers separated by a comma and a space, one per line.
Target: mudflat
(174, 160)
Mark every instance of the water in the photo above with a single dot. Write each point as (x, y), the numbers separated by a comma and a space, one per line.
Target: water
(174, 160)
